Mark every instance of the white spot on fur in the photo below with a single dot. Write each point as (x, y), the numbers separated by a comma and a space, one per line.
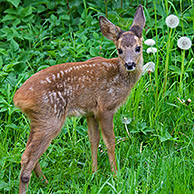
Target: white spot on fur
(58, 75)
(110, 91)
(48, 80)
(59, 85)
(69, 90)
(65, 91)
(51, 97)
(55, 108)
(104, 63)
(30, 88)
(62, 73)
(53, 76)
(76, 112)
(54, 95)
(45, 98)
(43, 82)
(116, 78)
(61, 97)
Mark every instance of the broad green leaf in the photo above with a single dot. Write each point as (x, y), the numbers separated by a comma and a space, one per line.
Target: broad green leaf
(1, 62)
(8, 17)
(96, 35)
(3, 52)
(27, 11)
(42, 67)
(93, 51)
(11, 11)
(53, 18)
(14, 2)
(16, 22)
(14, 45)
(2, 73)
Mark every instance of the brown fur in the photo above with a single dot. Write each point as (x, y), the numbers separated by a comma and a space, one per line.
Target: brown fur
(94, 88)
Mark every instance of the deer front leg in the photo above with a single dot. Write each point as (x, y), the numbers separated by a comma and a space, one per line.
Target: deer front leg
(106, 124)
(94, 137)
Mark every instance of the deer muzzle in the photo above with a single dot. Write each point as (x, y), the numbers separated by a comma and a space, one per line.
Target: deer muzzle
(130, 66)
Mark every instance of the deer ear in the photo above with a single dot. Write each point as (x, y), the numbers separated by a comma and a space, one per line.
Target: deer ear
(108, 29)
(138, 22)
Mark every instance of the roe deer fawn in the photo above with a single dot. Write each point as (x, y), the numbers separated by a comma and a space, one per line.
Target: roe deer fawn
(94, 88)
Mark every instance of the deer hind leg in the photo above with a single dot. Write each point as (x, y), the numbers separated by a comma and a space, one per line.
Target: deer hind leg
(37, 168)
(40, 138)
(94, 137)
(106, 124)
(38, 172)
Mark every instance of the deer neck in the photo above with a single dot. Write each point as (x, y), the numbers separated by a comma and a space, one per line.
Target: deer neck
(130, 77)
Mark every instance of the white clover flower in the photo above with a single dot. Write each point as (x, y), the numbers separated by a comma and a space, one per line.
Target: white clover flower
(172, 21)
(184, 43)
(151, 50)
(150, 42)
(148, 67)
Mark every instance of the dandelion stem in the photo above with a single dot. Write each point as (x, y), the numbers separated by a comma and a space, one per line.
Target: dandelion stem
(106, 3)
(182, 73)
(166, 4)
(167, 61)
(193, 12)
(157, 56)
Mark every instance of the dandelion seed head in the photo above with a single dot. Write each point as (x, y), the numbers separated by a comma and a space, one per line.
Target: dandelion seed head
(151, 50)
(127, 120)
(150, 42)
(189, 100)
(148, 67)
(172, 21)
(184, 43)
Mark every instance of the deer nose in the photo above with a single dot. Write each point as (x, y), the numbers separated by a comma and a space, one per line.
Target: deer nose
(130, 66)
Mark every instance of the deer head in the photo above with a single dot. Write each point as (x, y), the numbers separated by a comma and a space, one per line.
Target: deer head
(128, 44)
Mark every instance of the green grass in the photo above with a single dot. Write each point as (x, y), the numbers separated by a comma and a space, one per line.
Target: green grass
(154, 130)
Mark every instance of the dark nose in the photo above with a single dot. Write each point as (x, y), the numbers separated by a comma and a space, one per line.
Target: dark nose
(130, 66)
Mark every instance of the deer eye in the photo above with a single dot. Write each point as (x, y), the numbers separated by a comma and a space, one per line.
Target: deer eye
(120, 51)
(137, 49)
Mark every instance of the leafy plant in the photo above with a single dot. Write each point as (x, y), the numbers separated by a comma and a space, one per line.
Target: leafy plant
(154, 129)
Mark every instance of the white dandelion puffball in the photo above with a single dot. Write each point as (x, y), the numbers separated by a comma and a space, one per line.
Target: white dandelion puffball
(184, 43)
(148, 67)
(172, 21)
(150, 42)
(151, 50)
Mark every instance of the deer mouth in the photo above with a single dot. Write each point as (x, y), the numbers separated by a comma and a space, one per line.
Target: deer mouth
(130, 66)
